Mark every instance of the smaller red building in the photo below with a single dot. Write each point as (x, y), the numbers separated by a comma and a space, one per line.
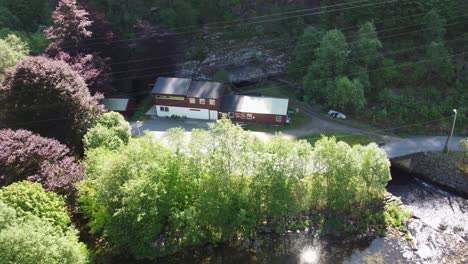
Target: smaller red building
(255, 109)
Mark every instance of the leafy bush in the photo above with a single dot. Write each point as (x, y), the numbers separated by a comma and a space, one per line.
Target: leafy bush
(28, 198)
(35, 227)
(111, 131)
(13, 50)
(26, 155)
(36, 241)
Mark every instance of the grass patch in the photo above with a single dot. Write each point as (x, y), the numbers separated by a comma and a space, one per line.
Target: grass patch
(351, 139)
(395, 216)
(297, 120)
(144, 105)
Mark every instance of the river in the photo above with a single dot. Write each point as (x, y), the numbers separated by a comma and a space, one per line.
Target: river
(439, 233)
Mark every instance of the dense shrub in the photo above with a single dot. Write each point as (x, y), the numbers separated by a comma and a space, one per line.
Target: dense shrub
(35, 227)
(26, 155)
(28, 198)
(111, 131)
(13, 50)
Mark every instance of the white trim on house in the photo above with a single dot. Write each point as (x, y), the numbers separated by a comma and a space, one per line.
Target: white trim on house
(186, 112)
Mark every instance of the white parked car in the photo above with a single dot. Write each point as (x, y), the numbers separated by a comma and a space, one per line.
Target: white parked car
(336, 114)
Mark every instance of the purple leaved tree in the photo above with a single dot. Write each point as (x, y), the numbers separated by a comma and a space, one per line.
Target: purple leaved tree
(27, 156)
(49, 98)
(68, 36)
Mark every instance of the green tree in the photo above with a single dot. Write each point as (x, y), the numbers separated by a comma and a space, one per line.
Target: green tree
(111, 131)
(435, 27)
(439, 64)
(13, 49)
(330, 63)
(31, 13)
(303, 53)
(367, 45)
(348, 95)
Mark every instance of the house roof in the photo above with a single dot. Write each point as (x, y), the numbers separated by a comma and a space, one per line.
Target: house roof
(255, 104)
(115, 104)
(171, 86)
(201, 89)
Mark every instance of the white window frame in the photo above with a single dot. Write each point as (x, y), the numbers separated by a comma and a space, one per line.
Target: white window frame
(192, 100)
(164, 109)
(212, 102)
(279, 119)
(249, 116)
(201, 101)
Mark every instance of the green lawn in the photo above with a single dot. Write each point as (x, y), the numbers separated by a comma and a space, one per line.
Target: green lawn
(351, 139)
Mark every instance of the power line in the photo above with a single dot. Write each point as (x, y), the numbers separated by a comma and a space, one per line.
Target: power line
(249, 23)
(309, 44)
(283, 86)
(241, 20)
(263, 42)
(280, 48)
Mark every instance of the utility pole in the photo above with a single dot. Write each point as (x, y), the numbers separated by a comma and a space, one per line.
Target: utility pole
(446, 149)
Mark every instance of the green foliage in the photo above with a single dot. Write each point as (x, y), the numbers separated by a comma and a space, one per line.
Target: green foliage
(363, 171)
(153, 199)
(36, 241)
(8, 19)
(13, 49)
(350, 139)
(329, 63)
(435, 26)
(180, 14)
(367, 45)
(35, 227)
(36, 41)
(143, 106)
(303, 53)
(28, 198)
(30, 13)
(348, 95)
(395, 216)
(111, 131)
(221, 75)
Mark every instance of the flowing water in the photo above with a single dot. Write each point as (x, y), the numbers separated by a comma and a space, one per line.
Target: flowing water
(439, 235)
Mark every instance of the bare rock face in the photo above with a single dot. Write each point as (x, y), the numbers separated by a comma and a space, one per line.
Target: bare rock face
(252, 64)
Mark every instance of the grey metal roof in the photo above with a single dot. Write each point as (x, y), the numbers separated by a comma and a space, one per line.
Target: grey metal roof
(115, 104)
(201, 89)
(171, 86)
(255, 104)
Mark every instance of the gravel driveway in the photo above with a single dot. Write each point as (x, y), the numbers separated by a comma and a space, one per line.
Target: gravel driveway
(318, 124)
